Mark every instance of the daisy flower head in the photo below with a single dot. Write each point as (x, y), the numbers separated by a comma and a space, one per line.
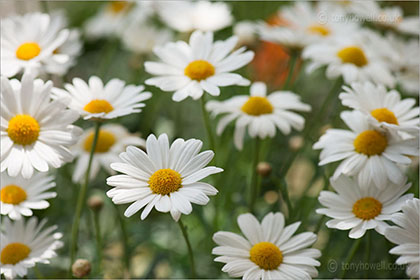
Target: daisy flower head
(353, 58)
(359, 208)
(19, 196)
(201, 65)
(268, 251)
(24, 244)
(406, 234)
(260, 113)
(165, 177)
(187, 16)
(112, 140)
(36, 132)
(94, 100)
(305, 24)
(372, 155)
(385, 108)
(28, 42)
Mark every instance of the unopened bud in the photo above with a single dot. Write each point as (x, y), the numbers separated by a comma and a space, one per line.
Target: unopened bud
(296, 142)
(264, 169)
(95, 202)
(80, 268)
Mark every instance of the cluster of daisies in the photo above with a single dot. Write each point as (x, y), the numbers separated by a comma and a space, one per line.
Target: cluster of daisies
(38, 134)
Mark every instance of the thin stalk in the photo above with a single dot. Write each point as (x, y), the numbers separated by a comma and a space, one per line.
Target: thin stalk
(292, 63)
(106, 57)
(98, 239)
(38, 273)
(319, 224)
(254, 186)
(124, 237)
(350, 256)
(367, 253)
(81, 200)
(190, 251)
(206, 120)
(285, 195)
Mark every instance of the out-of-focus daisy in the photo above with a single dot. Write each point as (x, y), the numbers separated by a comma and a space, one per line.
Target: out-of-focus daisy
(246, 32)
(351, 57)
(112, 141)
(370, 154)
(305, 24)
(166, 178)
(260, 113)
(23, 244)
(35, 132)
(268, 251)
(406, 235)
(360, 209)
(19, 195)
(98, 101)
(201, 65)
(348, 6)
(110, 20)
(187, 16)
(384, 107)
(28, 42)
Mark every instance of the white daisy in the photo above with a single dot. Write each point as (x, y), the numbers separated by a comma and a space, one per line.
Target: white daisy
(260, 113)
(110, 20)
(370, 154)
(268, 250)
(94, 100)
(112, 140)
(353, 58)
(385, 108)
(29, 41)
(360, 209)
(187, 16)
(166, 178)
(305, 25)
(35, 131)
(19, 195)
(23, 244)
(246, 31)
(188, 69)
(406, 235)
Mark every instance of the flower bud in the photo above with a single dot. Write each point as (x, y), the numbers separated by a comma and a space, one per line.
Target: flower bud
(296, 142)
(95, 202)
(264, 169)
(80, 268)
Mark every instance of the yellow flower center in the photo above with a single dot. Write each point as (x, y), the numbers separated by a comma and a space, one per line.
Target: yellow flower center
(354, 55)
(367, 208)
(105, 141)
(165, 181)
(13, 194)
(199, 70)
(117, 7)
(23, 129)
(27, 51)
(14, 253)
(257, 105)
(370, 142)
(98, 106)
(266, 255)
(384, 115)
(319, 29)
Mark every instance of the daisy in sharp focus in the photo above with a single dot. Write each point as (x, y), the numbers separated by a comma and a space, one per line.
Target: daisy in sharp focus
(353, 58)
(360, 209)
(19, 196)
(166, 177)
(268, 251)
(26, 243)
(113, 139)
(260, 113)
(36, 132)
(385, 108)
(94, 100)
(28, 43)
(406, 234)
(201, 65)
(373, 156)
(187, 16)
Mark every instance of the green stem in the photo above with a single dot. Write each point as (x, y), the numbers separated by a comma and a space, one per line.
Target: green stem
(190, 251)
(38, 273)
(319, 225)
(367, 253)
(206, 120)
(285, 195)
(106, 57)
(350, 256)
(254, 186)
(292, 63)
(98, 239)
(81, 200)
(124, 237)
